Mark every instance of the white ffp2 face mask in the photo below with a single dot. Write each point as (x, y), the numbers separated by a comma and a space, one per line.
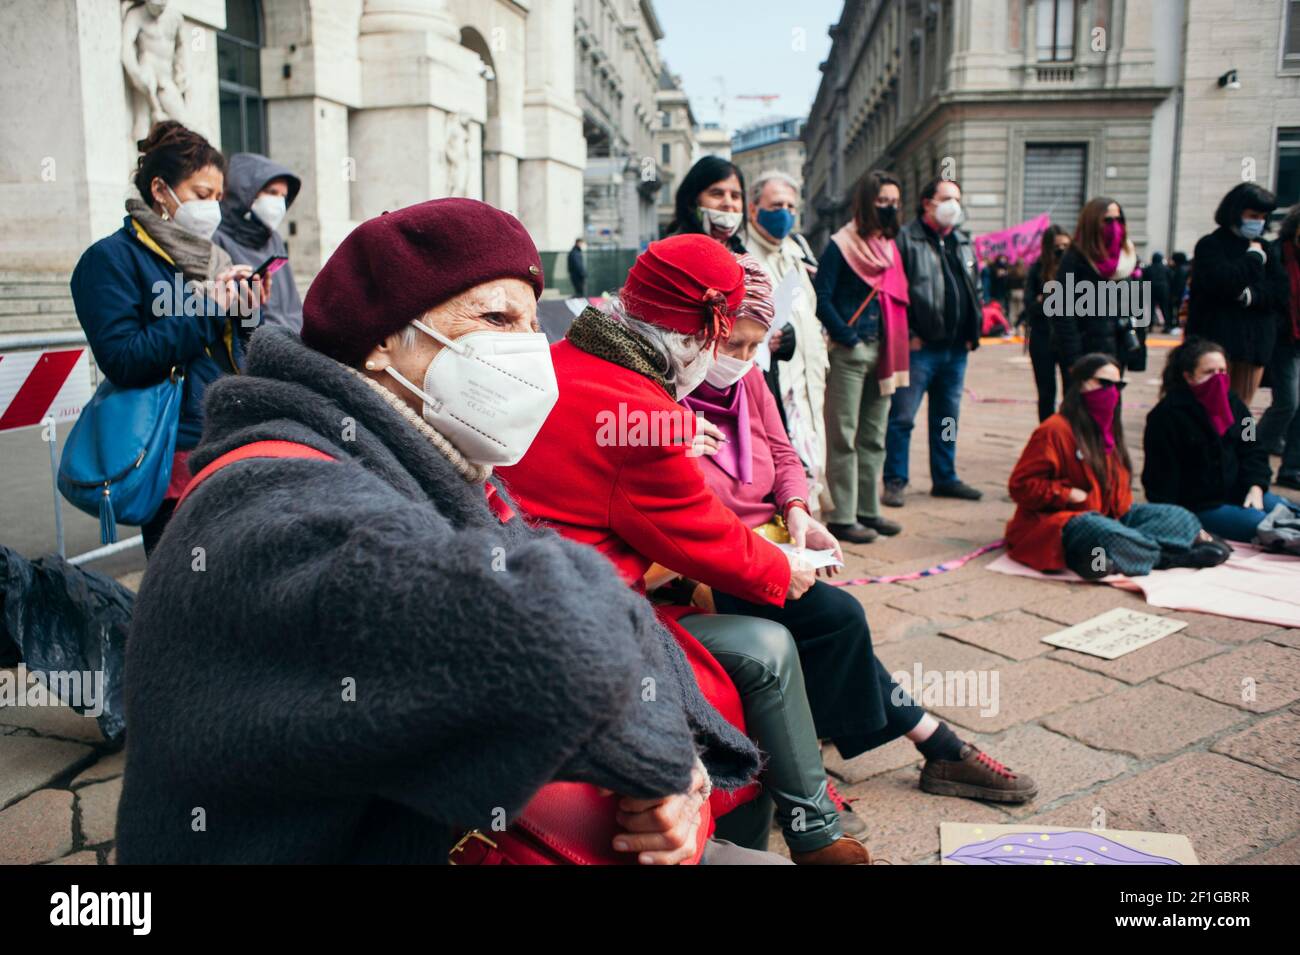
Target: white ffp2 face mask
(200, 216)
(948, 213)
(269, 209)
(721, 225)
(691, 374)
(726, 371)
(488, 392)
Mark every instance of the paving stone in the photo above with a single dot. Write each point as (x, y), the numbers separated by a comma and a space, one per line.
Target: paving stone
(903, 821)
(59, 721)
(1228, 810)
(973, 570)
(1274, 670)
(975, 598)
(888, 625)
(1272, 744)
(1082, 602)
(1165, 654)
(873, 595)
(893, 755)
(1288, 853)
(1028, 691)
(1060, 766)
(1017, 635)
(1223, 629)
(37, 829)
(1286, 638)
(97, 806)
(107, 768)
(1144, 721)
(85, 857)
(29, 762)
(132, 580)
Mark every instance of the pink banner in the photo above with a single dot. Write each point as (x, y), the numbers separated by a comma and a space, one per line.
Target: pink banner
(1020, 243)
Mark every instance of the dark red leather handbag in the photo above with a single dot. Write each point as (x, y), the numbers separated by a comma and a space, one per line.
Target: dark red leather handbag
(564, 824)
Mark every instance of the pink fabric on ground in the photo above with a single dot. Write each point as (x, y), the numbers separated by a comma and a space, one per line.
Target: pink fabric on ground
(1252, 585)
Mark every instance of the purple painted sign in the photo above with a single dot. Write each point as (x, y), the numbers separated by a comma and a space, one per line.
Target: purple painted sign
(1054, 848)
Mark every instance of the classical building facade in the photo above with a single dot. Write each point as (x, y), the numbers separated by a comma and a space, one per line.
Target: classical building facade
(770, 144)
(1035, 105)
(676, 142)
(618, 66)
(375, 104)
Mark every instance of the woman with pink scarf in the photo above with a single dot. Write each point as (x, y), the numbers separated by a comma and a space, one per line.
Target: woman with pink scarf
(862, 303)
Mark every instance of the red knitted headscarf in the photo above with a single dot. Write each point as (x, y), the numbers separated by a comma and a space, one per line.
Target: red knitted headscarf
(686, 283)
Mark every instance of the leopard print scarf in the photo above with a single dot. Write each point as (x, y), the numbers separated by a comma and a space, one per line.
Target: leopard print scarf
(598, 334)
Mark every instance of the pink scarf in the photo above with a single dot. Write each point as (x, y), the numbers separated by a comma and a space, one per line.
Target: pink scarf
(1212, 394)
(1100, 404)
(731, 415)
(876, 261)
(1112, 233)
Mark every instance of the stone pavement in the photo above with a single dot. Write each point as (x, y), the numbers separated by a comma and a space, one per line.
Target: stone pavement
(1159, 739)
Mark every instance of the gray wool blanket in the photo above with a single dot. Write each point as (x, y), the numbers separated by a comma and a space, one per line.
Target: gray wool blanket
(346, 661)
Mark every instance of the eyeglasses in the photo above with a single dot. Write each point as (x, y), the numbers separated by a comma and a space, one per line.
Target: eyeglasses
(1108, 383)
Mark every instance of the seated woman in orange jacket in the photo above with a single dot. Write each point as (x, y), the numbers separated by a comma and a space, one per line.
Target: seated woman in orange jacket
(1074, 499)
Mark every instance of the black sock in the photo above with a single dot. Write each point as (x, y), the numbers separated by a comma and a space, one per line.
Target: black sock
(943, 744)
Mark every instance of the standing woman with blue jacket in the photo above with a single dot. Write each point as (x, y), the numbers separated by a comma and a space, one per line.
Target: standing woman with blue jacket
(157, 297)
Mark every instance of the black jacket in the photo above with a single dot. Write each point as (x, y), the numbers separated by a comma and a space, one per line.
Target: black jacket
(840, 293)
(1223, 267)
(485, 658)
(1189, 465)
(921, 253)
(1076, 335)
(577, 266)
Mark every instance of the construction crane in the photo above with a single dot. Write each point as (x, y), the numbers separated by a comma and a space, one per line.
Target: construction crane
(766, 98)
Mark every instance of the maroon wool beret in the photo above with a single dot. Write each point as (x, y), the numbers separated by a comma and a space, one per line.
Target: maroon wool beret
(393, 268)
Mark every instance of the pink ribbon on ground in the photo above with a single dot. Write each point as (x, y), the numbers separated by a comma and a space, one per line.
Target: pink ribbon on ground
(943, 568)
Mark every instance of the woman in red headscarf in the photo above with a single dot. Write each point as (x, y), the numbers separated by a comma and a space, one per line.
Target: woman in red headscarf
(612, 467)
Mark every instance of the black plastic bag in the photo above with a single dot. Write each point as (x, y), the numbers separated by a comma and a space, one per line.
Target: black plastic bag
(67, 620)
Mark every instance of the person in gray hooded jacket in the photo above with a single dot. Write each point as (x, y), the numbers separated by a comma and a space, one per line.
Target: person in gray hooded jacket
(259, 192)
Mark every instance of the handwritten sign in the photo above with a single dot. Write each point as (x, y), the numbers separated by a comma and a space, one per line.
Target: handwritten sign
(1114, 633)
(963, 843)
(1020, 243)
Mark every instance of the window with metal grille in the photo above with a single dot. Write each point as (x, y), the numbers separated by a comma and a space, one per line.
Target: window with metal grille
(1291, 36)
(1054, 30)
(1288, 168)
(1055, 181)
(239, 79)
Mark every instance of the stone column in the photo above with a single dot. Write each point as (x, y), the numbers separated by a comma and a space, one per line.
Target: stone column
(418, 133)
(555, 152)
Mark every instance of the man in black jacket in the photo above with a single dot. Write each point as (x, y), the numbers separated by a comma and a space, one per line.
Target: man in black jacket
(944, 320)
(578, 269)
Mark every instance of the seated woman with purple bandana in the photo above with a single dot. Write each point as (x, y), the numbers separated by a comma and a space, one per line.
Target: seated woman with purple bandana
(748, 462)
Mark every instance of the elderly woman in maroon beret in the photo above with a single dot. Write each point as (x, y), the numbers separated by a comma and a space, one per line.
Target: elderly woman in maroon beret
(348, 647)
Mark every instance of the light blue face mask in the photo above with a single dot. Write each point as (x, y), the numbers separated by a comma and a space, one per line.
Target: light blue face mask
(1251, 228)
(776, 222)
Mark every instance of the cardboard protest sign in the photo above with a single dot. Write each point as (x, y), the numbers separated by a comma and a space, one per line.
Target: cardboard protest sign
(1114, 633)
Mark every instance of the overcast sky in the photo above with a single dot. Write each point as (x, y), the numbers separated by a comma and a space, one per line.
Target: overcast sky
(747, 47)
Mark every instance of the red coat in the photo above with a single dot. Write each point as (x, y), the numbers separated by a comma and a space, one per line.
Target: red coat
(598, 475)
(1040, 485)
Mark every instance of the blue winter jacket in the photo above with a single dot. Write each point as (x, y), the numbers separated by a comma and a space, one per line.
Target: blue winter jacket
(126, 298)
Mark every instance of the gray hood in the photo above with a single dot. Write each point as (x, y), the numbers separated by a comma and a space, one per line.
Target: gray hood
(246, 175)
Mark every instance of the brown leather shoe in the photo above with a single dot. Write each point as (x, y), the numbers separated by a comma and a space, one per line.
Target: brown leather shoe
(976, 775)
(843, 851)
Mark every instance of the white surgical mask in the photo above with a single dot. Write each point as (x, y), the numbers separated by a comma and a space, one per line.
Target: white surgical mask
(488, 392)
(948, 213)
(269, 210)
(200, 216)
(722, 225)
(690, 375)
(726, 371)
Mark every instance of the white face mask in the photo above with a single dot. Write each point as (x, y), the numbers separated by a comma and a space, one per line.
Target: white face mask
(488, 393)
(726, 371)
(270, 210)
(200, 216)
(692, 373)
(948, 213)
(722, 225)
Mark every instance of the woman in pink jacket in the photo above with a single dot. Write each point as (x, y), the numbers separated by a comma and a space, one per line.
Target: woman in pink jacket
(748, 462)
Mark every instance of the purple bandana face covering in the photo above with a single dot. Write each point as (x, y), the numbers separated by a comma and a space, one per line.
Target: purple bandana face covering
(1101, 403)
(1212, 393)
